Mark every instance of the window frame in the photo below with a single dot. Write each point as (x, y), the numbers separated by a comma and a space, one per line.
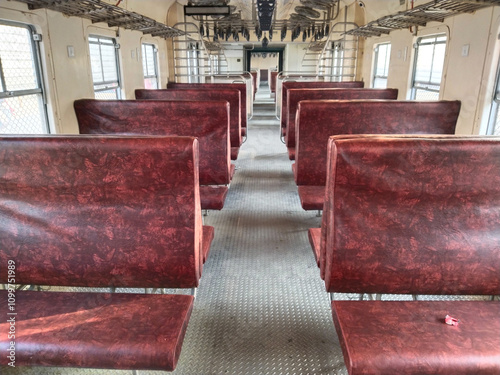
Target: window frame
(495, 105)
(109, 84)
(413, 90)
(387, 62)
(155, 61)
(215, 64)
(337, 60)
(193, 63)
(5, 93)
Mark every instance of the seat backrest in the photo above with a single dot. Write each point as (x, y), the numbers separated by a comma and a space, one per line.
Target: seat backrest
(319, 119)
(413, 215)
(254, 75)
(206, 120)
(286, 85)
(100, 211)
(272, 80)
(295, 96)
(242, 87)
(232, 96)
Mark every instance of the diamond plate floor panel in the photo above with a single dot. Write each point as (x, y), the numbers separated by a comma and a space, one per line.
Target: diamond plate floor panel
(261, 307)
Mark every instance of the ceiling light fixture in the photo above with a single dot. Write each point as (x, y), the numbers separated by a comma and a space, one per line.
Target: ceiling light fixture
(215, 10)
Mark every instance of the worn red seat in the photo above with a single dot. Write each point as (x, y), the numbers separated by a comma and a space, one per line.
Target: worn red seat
(286, 85)
(180, 118)
(314, 235)
(317, 120)
(254, 82)
(311, 197)
(272, 81)
(230, 95)
(94, 211)
(414, 215)
(295, 96)
(241, 87)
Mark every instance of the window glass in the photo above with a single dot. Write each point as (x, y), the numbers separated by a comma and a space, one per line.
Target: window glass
(22, 104)
(428, 67)
(337, 61)
(193, 55)
(104, 65)
(496, 129)
(150, 66)
(494, 123)
(382, 55)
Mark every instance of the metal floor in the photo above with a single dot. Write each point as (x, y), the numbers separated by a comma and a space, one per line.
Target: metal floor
(261, 307)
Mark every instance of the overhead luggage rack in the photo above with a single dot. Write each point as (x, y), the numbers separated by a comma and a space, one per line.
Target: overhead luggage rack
(99, 11)
(434, 11)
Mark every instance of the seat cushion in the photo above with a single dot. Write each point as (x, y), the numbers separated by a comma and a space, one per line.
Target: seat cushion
(243, 132)
(213, 196)
(234, 153)
(291, 153)
(411, 337)
(311, 197)
(314, 235)
(99, 330)
(208, 236)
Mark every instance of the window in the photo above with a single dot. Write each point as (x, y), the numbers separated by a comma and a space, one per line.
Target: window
(337, 61)
(104, 63)
(150, 66)
(382, 56)
(428, 67)
(214, 60)
(22, 103)
(193, 63)
(494, 123)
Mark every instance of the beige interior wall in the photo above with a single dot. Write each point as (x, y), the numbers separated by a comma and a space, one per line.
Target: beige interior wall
(464, 74)
(235, 56)
(235, 64)
(465, 78)
(161, 44)
(69, 78)
(64, 78)
(293, 55)
(488, 79)
(269, 62)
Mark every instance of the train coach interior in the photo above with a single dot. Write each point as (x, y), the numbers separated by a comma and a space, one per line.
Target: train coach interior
(261, 306)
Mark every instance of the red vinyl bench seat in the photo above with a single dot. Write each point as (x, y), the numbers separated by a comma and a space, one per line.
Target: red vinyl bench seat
(410, 337)
(311, 197)
(314, 235)
(100, 212)
(295, 96)
(213, 196)
(414, 215)
(230, 95)
(272, 81)
(241, 87)
(254, 83)
(317, 120)
(176, 118)
(286, 85)
(98, 330)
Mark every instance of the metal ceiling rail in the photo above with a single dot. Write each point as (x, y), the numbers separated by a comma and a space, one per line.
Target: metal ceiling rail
(436, 11)
(99, 11)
